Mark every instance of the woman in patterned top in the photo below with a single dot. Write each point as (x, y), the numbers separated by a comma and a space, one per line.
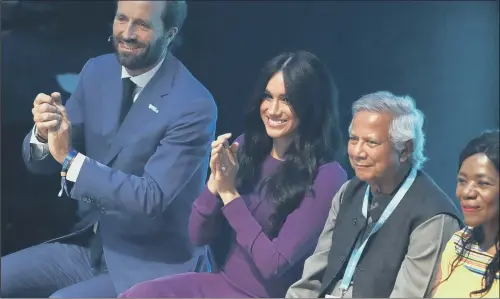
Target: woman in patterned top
(470, 261)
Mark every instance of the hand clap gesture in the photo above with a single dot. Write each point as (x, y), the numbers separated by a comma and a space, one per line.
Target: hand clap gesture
(224, 167)
(45, 115)
(60, 137)
(53, 125)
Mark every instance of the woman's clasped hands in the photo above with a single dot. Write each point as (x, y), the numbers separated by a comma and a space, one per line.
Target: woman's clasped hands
(223, 169)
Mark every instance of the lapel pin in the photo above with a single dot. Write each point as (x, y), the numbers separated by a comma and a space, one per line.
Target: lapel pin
(155, 110)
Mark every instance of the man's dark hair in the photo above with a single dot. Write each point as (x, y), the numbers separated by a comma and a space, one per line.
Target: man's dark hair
(174, 14)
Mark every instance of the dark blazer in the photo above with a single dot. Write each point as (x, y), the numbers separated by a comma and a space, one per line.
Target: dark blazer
(139, 180)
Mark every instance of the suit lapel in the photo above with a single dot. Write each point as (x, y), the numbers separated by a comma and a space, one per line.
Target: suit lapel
(110, 105)
(140, 113)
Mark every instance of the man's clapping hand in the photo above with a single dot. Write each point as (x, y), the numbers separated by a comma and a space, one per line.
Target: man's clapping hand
(60, 137)
(45, 115)
(53, 124)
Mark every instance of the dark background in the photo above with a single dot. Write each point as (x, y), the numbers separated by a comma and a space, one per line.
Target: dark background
(443, 54)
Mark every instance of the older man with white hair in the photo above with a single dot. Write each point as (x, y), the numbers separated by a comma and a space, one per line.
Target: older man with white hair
(389, 224)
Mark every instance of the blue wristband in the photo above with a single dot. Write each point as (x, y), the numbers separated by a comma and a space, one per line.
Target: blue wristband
(65, 167)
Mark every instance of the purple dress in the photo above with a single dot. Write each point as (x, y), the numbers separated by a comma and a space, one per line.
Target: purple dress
(249, 264)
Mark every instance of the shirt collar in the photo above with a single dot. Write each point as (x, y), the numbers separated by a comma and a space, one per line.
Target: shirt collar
(142, 79)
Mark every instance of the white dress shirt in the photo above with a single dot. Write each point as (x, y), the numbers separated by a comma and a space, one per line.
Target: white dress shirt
(40, 150)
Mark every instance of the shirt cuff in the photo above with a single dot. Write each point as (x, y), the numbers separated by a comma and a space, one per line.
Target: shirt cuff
(75, 167)
(39, 150)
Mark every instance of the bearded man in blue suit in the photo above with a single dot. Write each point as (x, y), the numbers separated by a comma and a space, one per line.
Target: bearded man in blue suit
(132, 145)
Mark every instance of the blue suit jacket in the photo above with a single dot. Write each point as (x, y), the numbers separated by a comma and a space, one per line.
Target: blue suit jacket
(139, 180)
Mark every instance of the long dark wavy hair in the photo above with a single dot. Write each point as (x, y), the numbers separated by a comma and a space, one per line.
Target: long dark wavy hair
(313, 96)
(487, 143)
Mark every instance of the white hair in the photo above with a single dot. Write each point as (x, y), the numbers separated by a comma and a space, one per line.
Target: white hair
(407, 123)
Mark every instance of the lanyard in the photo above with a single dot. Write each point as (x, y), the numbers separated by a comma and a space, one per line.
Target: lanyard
(358, 249)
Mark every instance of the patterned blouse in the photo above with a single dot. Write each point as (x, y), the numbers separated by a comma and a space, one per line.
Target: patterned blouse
(468, 275)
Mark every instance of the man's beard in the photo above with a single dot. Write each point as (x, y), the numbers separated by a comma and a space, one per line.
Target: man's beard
(146, 56)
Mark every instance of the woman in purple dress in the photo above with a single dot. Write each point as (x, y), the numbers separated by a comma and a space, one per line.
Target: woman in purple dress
(269, 193)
